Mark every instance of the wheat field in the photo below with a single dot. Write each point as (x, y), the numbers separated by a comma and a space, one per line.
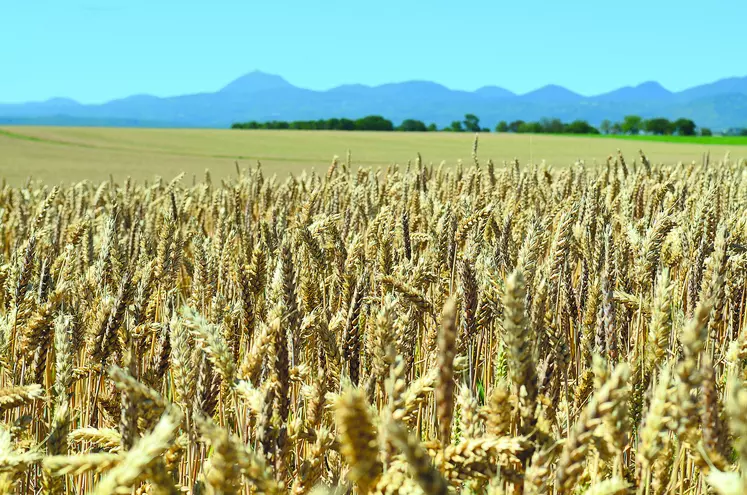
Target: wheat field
(413, 329)
(69, 154)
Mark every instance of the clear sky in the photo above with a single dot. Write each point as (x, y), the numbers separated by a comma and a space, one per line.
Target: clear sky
(95, 50)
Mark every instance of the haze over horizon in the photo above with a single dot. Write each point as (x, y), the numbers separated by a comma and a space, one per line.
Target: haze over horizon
(112, 50)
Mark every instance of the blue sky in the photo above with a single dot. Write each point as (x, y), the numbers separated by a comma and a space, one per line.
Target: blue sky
(95, 50)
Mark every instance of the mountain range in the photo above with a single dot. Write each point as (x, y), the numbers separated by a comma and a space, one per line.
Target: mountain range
(262, 97)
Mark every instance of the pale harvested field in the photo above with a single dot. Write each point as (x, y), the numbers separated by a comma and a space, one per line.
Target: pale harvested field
(55, 154)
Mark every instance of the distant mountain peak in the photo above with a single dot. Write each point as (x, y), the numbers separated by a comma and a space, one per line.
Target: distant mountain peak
(413, 85)
(651, 85)
(494, 92)
(62, 101)
(254, 82)
(645, 91)
(552, 93)
(729, 85)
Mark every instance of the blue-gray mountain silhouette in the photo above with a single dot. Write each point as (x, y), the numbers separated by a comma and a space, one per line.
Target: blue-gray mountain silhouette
(650, 91)
(254, 82)
(552, 95)
(261, 96)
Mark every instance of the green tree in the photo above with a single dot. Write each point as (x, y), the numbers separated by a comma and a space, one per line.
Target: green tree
(551, 126)
(412, 125)
(374, 123)
(248, 125)
(456, 126)
(579, 127)
(278, 124)
(514, 126)
(432, 127)
(616, 128)
(705, 131)
(471, 123)
(605, 126)
(659, 126)
(685, 127)
(530, 128)
(502, 126)
(632, 124)
(347, 125)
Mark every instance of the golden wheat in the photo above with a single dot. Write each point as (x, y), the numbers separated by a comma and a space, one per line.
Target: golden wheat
(414, 329)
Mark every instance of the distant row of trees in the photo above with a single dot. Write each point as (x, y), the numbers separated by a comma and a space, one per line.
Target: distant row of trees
(634, 124)
(631, 124)
(470, 123)
(547, 126)
(369, 123)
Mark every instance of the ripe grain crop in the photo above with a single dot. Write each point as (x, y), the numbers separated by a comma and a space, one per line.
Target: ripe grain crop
(411, 329)
(73, 154)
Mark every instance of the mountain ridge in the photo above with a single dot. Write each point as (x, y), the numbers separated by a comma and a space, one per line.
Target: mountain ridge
(261, 96)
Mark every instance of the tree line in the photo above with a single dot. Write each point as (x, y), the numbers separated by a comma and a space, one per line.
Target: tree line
(369, 123)
(470, 123)
(547, 126)
(634, 124)
(631, 124)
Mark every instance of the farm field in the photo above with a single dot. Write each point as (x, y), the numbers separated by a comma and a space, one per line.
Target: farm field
(55, 154)
(492, 331)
